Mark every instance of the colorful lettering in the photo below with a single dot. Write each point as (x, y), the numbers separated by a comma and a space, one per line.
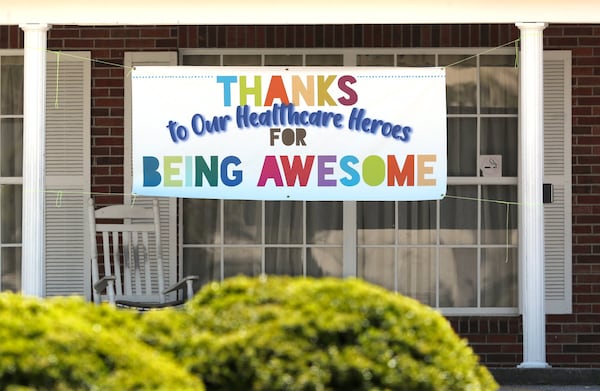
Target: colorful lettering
(196, 169)
(270, 170)
(352, 96)
(306, 90)
(246, 91)
(276, 91)
(297, 170)
(374, 170)
(399, 177)
(302, 89)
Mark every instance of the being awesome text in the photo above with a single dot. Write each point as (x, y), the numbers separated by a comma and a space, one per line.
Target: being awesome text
(295, 170)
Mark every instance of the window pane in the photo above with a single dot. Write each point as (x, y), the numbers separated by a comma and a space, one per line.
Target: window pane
(417, 274)
(283, 222)
(241, 59)
(458, 216)
(11, 85)
(499, 137)
(499, 221)
(375, 222)
(202, 262)
(11, 147)
(324, 60)
(242, 261)
(324, 222)
(201, 219)
(376, 265)
(499, 277)
(242, 221)
(201, 60)
(324, 261)
(458, 277)
(461, 84)
(11, 269)
(373, 60)
(283, 60)
(415, 60)
(462, 147)
(417, 222)
(283, 261)
(10, 210)
(499, 85)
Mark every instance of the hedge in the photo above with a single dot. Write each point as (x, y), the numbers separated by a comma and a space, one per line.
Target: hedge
(275, 333)
(68, 344)
(284, 333)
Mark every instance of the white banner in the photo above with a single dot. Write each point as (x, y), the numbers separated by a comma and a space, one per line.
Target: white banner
(289, 133)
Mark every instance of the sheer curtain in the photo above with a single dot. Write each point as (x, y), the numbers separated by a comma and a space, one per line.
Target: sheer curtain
(499, 136)
(11, 164)
(303, 238)
(202, 239)
(376, 260)
(224, 238)
(418, 236)
(283, 234)
(324, 238)
(242, 227)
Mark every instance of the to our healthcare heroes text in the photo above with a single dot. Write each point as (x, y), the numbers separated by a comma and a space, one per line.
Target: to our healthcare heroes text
(287, 115)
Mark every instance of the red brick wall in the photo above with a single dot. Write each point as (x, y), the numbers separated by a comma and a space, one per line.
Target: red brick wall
(572, 340)
(107, 46)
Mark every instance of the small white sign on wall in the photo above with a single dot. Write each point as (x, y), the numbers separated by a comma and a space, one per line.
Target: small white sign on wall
(490, 165)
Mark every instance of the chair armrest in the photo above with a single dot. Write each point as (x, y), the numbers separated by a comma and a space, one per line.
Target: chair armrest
(185, 282)
(103, 283)
(181, 283)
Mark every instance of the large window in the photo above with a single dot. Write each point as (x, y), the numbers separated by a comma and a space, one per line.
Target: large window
(458, 254)
(11, 166)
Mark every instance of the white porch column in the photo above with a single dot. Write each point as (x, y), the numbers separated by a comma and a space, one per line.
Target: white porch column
(34, 130)
(531, 162)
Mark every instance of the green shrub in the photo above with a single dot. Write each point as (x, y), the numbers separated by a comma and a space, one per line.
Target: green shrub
(281, 333)
(67, 344)
(244, 334)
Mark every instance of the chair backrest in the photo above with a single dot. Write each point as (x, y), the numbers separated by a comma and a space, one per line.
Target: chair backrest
(129, 250)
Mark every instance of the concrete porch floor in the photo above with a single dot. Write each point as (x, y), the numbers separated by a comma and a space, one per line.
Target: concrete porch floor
(547, 379)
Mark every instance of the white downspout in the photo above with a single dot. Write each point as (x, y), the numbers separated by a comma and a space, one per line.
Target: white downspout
(531, 240)
(34, 136)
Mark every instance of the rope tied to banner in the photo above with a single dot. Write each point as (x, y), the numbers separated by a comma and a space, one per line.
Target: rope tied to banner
(130, 69)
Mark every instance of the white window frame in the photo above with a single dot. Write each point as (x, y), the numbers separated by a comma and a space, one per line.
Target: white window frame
(349, 55)
(167, 205)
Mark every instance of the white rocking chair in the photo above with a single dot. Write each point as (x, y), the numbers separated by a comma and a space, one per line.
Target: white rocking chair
(133, 274)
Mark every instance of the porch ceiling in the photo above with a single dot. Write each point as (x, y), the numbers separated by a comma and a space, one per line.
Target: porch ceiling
(191, 12)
